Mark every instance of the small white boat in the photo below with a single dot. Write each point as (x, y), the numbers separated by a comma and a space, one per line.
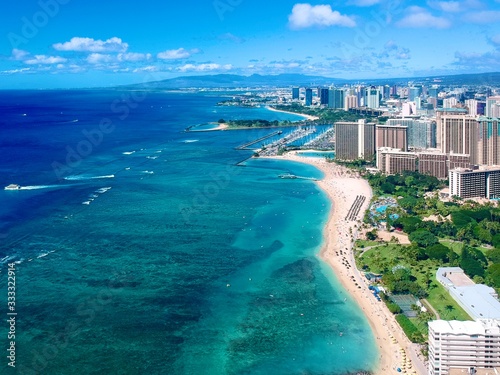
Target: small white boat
(12, 187)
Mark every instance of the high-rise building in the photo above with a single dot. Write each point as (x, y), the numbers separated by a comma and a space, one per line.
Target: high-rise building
(475, 183)
(309, 97)
(456, 134)
(488, 141)
(409, 109)
(391, 136)
(450, 102)
(478, 137)
(493, 106)
(471, 105)
(372, 98)
(323, 96)
(433, 92)
(458, 161)
(463, 345)
(295, 93)
(336, 98)
(421, 133)
(351, 101)
(413, 93)
(394, 161)
(354, 140)
(433, 164)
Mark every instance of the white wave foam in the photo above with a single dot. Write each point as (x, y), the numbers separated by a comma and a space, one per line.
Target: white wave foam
(190, 140)
(152, 157)
(128, 152)
(147, 172)
(102, 190)
(86, 202)
(36, 187)
(43, 255)
(84, 177)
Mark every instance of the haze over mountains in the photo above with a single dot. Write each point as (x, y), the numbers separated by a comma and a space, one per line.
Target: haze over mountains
(283, 80)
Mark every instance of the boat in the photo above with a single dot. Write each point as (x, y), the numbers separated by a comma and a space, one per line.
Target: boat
(287, 176)
(13, 187)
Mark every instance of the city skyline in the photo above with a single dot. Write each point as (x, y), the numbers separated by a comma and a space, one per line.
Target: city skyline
(62, 43)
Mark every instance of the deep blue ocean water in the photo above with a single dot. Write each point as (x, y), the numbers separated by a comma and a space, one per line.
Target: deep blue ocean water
(142, 249)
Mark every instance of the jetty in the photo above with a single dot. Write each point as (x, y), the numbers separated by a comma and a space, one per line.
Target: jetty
(246, 145)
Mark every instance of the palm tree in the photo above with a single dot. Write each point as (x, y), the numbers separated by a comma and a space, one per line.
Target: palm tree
(449, 308)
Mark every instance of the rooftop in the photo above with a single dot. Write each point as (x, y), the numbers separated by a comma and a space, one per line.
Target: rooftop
(457, 327)
(478, 300)
(478, 371)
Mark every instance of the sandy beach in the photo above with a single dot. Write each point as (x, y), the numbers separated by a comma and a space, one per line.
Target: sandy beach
(307, 117)
(343, 187)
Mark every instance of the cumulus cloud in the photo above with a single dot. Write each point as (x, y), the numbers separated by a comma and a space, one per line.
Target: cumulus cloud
(486, 16)
(489, 61)
(447, 6)
(46, 60)
(495, 40)
(204, 67)
(365, 3)
(133, 57)
(18, 54)
(99, 58)
(78, 44)
(150, 68)
(419, 18)
(176, 54)
(306, 15)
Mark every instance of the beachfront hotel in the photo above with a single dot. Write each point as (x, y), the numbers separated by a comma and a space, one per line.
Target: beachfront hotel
(392, 136)
(392, 161)
(455, 346)
(354, 140)
(481, 182)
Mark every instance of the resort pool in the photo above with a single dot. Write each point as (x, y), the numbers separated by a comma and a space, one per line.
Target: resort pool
(381, 209)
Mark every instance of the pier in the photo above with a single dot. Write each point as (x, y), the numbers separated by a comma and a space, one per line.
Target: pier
(246, 145)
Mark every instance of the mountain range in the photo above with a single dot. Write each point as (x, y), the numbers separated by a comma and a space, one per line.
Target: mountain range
(286, 80)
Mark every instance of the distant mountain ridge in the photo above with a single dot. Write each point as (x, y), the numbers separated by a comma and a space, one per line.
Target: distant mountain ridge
(283, 80)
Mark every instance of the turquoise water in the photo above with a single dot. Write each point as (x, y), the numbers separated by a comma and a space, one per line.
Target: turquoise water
(180, 262)
(317, 154)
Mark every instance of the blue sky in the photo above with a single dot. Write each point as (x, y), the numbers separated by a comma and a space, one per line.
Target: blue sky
(76, 43)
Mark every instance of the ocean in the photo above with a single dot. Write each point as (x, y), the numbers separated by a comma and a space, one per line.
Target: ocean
(139, 248)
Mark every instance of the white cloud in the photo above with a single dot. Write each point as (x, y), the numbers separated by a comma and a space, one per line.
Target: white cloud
(16, 71)
(486, 16)
(365, 3)
(91, 45)
(134, 57)
(204, 67)
(306, 15)
(495, 40)
(176, 54)
(42, 59)
(419, 18)
(446, 6)
(99, 58)
(150, 68)
(18, 54)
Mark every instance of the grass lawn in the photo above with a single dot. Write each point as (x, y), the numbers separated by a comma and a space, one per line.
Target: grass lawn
(381, 257)
(364, 243)
(439, 298)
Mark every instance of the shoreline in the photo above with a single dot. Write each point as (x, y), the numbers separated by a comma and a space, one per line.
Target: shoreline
(307, 117)
(342, 186)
